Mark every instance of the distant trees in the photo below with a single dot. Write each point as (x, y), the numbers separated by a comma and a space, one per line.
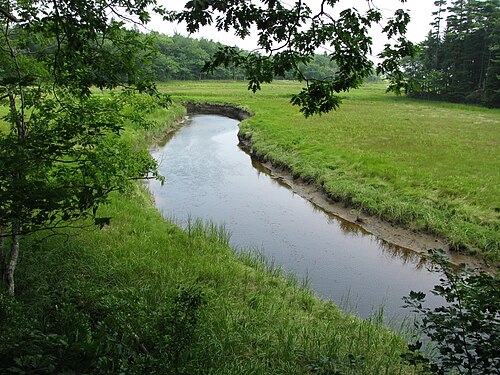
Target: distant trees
(460, 59)
(290, 33)
(178, 57)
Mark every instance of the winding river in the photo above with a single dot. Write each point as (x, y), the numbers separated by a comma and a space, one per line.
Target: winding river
(208, 176)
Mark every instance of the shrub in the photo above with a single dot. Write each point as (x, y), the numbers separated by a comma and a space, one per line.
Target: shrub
(466, 331)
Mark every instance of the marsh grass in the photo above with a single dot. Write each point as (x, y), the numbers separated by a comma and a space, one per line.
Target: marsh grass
(255, 320)
(125, 280)
(429, 166)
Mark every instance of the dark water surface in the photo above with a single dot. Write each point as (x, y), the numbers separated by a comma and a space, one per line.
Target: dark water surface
(209, 177)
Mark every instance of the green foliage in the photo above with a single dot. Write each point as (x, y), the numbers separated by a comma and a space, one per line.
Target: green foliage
(177, 326)
(332, 366)
(182, 58)
(63, 153)
(289, 37)
(459, 62)
(95, 331)
(466, 331)
(71, 159)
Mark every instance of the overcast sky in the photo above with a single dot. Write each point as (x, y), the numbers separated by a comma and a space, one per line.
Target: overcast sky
(420, 11)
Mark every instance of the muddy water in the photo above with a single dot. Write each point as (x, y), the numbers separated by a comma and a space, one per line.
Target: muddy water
(209, 177)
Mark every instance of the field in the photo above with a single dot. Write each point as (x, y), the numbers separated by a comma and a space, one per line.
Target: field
(141, 295)
(428, 166)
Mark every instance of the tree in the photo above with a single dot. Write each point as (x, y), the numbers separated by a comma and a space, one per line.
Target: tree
(462, 63)
(290, 35)
(62, 154)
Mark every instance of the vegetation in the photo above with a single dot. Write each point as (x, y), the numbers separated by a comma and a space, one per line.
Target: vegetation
(289, 36)
(140, 295)
(467, 330)
(460, 59)
(182, 58)
(143, 296)
(392, 157)
(62, 154)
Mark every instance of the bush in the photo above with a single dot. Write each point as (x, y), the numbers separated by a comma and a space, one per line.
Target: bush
(98, 331)
(466, 331)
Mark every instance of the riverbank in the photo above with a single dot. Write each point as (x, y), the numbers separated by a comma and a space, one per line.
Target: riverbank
(143, 296)
(383, 156)
(398, 238)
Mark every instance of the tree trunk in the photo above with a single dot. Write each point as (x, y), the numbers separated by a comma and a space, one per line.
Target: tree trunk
(12, 263)
(3, 255)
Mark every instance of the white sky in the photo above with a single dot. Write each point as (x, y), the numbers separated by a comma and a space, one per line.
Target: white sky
(420, 11)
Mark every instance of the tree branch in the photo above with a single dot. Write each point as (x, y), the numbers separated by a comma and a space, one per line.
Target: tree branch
(9, 16)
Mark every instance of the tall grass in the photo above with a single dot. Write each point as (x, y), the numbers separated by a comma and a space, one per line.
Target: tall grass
(255, 321)
(429, 166)
(125, 279)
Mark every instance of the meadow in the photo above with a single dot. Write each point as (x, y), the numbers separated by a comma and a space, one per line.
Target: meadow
(143, 296)
(428, 166)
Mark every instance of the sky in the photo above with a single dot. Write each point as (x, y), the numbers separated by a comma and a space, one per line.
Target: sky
(420, 11)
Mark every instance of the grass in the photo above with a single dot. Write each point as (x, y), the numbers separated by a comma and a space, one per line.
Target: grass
(429, 166)
(254, 321)
(144, 296)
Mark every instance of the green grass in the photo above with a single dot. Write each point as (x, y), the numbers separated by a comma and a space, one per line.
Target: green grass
(4, 126)
(108, 301)
(255, 320)
(429, 166)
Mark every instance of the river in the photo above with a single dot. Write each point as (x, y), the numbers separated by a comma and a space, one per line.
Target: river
(208, 176)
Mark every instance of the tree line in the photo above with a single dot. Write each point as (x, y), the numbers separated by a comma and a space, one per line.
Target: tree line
(459, 60)
(178, 57)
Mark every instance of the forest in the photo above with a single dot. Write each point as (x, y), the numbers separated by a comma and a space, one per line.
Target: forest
(460, 58)
(178, 57)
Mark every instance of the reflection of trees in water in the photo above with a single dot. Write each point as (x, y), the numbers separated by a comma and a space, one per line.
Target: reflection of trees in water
(350, 229)
(406, 255)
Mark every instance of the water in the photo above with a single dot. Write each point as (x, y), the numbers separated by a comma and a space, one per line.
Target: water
(209, 177)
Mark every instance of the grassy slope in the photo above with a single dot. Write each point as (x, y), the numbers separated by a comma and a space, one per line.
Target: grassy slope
(124, 276)
(254, 321)
(430, 166)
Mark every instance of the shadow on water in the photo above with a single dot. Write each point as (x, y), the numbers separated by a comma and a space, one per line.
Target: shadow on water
(408, 256)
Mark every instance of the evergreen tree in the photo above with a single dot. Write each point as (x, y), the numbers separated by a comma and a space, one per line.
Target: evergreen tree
(462, 65)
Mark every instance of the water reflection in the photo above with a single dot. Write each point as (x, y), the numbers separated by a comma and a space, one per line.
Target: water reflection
(348, 228)
(209, 177)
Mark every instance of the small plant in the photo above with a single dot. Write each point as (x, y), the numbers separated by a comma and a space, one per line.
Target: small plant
(331, 366)
(178, 325)
(465, 332)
